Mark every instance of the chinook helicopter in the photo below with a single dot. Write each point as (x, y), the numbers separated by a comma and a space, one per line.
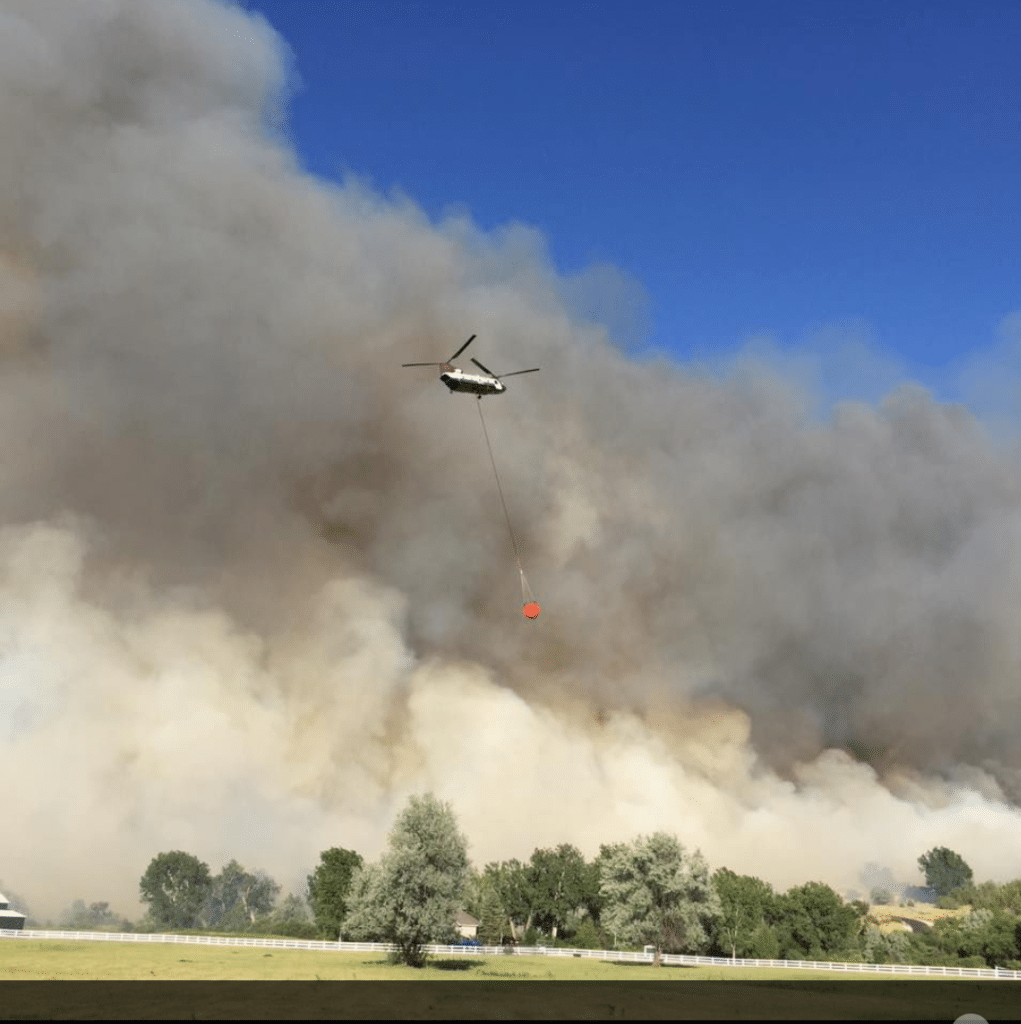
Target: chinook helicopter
(458, 380)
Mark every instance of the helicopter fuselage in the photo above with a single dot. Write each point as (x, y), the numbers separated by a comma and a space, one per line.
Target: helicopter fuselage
(457, 380)
(473, 383)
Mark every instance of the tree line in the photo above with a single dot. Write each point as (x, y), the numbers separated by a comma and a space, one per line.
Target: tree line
(650, 892)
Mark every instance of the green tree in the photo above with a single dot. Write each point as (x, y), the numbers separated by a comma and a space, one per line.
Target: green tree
(993, 935)
(944, 870)
(991, 896)
(814, 922)
(745, 904)
(94, 917)
(894, 948)
(292, 918)
(366, 919)
(763, 943)
(558, 884)
(490, 910)
(175, 886)
(237, 897)
(414, 894)
(592, 898)
(587, 936)
(517, 895)
(329, 887)
(655, 894)
(471, 899)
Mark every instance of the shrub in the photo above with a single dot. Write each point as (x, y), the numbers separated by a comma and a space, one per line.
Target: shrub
(972, 961)
(587, 936)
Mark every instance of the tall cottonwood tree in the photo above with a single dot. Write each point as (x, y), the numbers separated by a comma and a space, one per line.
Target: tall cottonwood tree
(747, 905)
(329, 888)
(557, 880)
(176, 886)
(237, 897)
(944, 870)
(412, 897)
(655, 893)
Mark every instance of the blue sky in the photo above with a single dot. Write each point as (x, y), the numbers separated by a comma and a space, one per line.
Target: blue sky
(838, 177)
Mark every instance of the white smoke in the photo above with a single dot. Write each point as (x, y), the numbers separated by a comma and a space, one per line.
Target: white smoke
(255, 583)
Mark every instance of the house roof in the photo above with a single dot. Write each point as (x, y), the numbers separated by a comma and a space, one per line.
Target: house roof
(464, 918)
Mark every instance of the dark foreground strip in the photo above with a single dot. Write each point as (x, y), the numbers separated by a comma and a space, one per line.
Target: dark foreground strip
(528, 1000)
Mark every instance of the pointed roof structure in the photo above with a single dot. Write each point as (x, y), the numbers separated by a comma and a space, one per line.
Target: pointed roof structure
(10, 920)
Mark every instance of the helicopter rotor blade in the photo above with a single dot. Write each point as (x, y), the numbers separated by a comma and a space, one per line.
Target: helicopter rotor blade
(535, 369)
(423, 364)
(461, 349)
(483, 368)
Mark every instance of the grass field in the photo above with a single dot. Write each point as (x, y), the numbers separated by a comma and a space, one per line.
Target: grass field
(231, 982)
(46, 959)
(891, 917)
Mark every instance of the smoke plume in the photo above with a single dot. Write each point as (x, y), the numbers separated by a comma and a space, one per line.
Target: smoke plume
(255, 582)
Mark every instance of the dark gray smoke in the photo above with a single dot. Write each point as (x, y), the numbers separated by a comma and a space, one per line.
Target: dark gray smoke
(255, 582)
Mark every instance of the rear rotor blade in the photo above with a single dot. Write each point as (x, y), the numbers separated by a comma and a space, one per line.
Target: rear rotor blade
(461, 349)
(535, 369)
(481, 367)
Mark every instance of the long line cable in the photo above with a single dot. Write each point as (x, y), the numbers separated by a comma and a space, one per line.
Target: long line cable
(506, 515)
(526, 590)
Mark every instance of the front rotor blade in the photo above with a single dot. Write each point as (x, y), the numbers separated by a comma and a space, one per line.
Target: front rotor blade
(481, 367)
(535, 369)
(461, 349)
(423, 364)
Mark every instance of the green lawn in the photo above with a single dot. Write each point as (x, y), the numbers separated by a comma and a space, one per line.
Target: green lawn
(46, 959)
(592, 989)
(39, 959)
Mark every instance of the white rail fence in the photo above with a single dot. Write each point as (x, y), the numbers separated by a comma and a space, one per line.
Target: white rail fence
(592, 954)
